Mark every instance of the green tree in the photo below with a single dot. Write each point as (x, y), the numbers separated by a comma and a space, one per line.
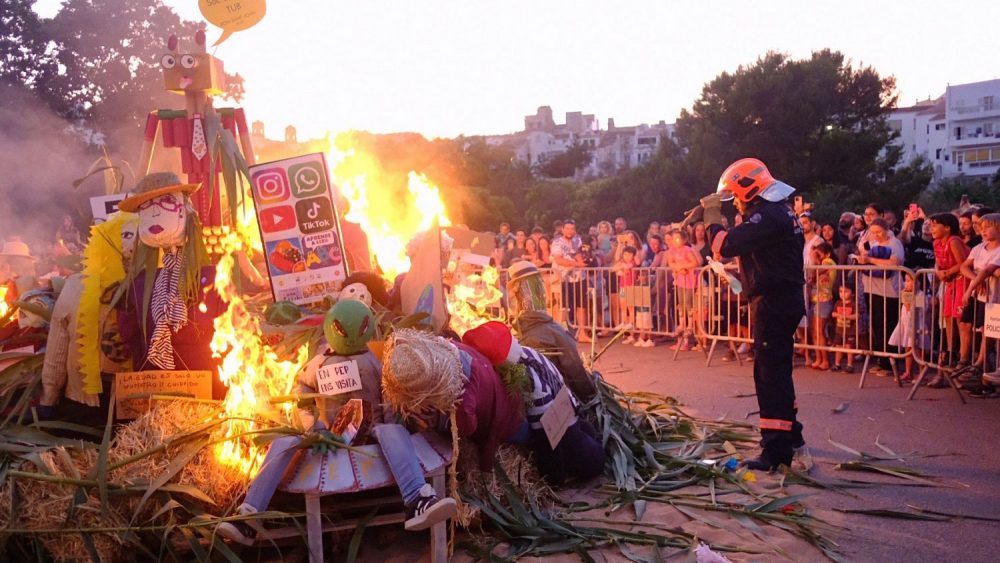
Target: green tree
(111, 78)
(26, 58)
(566, 163)
(815, 122)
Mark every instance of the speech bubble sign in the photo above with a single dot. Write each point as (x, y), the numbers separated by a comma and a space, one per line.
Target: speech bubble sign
(232, 15)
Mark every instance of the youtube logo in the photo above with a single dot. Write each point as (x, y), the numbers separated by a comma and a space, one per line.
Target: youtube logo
(277, 219)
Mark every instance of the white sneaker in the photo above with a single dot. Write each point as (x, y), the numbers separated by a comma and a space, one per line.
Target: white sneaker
(639, 343)
(628, 340)
(649, 344)
(742, 349)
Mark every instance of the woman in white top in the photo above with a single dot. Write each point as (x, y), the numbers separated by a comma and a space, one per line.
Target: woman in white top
(881, 286)
(980, 267)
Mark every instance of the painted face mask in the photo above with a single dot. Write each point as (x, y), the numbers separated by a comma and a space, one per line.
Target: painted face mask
(29, 319)
(357, 292)
(162, 221)
(348, 327)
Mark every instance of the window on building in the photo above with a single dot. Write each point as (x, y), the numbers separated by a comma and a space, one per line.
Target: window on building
(895, 125)
(939, 127)
(937, 154)
(989, 103)
(958, 133)
(988, 129)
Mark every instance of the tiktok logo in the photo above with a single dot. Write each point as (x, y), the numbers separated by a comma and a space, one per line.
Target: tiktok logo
(314, 214)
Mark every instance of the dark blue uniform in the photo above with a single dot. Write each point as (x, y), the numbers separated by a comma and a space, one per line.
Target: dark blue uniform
(769, 245)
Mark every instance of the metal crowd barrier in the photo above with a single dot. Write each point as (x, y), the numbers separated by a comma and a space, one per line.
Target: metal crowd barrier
(658, 303)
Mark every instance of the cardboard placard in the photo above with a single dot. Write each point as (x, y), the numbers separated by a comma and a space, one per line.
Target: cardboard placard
(422, 289)
(349, 421)
(133, 388)
(991, 325)
(559, 417)
(300, 228)
(102, 206)
(339, 378)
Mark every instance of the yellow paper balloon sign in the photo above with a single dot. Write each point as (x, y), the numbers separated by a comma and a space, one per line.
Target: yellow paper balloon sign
(232, 15)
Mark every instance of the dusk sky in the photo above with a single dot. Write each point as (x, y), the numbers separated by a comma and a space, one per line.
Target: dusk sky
(444, 68)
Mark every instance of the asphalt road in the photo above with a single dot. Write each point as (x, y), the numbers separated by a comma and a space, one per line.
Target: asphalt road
(935, 422)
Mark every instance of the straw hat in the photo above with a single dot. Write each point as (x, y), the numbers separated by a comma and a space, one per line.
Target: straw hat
(422, 372)
(16, 249)
(152, 186)
(520, 270)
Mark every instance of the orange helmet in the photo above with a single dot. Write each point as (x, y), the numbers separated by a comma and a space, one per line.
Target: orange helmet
(745, 179)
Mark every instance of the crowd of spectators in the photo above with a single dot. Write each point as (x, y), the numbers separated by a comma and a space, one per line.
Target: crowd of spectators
(615, 278)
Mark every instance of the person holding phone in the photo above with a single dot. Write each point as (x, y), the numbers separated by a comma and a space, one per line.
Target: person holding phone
(769, 244)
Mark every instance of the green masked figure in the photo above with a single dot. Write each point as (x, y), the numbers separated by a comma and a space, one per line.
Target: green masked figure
(348, 327)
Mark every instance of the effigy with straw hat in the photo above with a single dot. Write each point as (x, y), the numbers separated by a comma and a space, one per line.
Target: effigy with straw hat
(525, 287)
(422, 373)
(152, 186)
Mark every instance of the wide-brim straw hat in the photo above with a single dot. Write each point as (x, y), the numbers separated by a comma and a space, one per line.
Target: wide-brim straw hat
(153, 186)
(16, 249)
(520, 270)
(422, 372)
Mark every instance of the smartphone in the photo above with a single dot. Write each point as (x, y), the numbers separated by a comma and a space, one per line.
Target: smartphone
(868, 245)
(914, 210)
(798, 204)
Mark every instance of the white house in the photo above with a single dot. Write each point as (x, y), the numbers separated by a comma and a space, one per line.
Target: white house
(958, 133)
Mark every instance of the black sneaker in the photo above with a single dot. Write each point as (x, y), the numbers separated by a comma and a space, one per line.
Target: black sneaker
(763, 463)
(985, 392)
(428, 510)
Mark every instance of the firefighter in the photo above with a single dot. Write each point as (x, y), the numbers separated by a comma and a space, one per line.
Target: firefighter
(769, 245)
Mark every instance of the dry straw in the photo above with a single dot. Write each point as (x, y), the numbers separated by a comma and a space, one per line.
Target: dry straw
(422, 374)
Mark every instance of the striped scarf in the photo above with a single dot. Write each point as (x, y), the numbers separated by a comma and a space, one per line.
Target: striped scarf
(169, 311)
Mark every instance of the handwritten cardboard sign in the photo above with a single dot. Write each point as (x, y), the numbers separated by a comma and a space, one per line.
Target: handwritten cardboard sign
(991, 325)
(559, 417)
(339, 378)
(133, 389)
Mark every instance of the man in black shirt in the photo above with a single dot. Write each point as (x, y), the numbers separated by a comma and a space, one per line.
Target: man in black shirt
(769, 244)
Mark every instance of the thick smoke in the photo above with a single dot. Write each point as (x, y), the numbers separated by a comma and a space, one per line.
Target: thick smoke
(39, 159)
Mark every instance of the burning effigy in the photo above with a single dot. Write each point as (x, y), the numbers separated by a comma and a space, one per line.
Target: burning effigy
(238, 326)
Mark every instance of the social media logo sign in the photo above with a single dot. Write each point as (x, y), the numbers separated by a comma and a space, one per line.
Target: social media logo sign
(308, 179)
(270, 185)
(314, 214)
(277, 219)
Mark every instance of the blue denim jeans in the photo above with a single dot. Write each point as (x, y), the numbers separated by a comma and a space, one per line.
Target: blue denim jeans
(397, 450)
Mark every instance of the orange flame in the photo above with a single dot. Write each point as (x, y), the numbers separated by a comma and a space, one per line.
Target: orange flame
(4, 306)
(389, 217)
(252, 371)
(474, 298)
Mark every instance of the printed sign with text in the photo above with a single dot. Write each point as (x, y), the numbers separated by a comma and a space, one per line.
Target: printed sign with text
(559, 417)
(991, 326)
(300, 228)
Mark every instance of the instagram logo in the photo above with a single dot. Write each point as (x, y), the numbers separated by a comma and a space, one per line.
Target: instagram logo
(308, 179)
(271, 185)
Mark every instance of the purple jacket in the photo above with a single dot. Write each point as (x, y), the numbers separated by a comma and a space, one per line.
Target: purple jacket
(487, 413)
(191, 343)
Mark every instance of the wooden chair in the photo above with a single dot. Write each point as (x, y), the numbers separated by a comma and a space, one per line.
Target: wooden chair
(345, 473)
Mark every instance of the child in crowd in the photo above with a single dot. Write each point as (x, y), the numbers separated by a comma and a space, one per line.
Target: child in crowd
(911, 330)
(625, 270)
(846, 316)
(683, 262)
(949, 254)
(822, 283)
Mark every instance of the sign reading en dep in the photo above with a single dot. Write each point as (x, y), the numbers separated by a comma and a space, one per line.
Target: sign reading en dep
(300, 228)
(133, 389)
